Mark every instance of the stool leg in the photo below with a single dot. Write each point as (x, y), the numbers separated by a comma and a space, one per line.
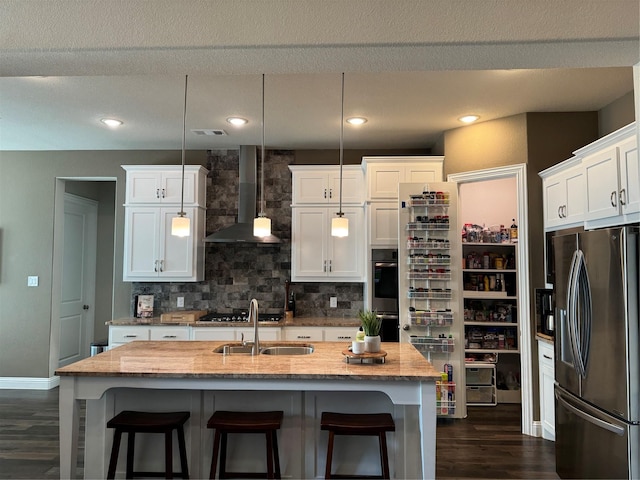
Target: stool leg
(327, 471)
(223, 456)
(214, 455)
(184, 465)
(131, 443)
(269, 439)
(115, 449)
(168, 454)
(276, 455)
(384, 458)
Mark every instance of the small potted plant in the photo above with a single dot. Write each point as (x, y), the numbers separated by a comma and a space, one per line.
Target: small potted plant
(371, 324)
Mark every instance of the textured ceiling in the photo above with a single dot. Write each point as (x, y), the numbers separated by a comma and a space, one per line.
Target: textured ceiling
(412, 67)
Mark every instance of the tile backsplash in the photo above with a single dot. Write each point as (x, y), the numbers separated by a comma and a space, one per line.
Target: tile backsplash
(236, 273)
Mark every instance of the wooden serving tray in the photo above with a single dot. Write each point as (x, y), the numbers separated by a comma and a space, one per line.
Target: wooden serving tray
(377, 357)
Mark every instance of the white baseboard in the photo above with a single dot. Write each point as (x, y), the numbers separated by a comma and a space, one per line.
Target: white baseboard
(536, 428)
(28, 383)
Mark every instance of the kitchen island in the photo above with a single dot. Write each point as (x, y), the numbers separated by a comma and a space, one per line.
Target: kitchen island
(189, 376)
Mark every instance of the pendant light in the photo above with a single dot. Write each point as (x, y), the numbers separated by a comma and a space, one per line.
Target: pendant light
(339, 224)
(262, 223)
(181, 225)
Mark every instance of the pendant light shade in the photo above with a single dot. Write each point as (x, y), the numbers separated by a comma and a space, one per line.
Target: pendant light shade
(339, 224)
(340, 227)
(181, 225)
(262, 223)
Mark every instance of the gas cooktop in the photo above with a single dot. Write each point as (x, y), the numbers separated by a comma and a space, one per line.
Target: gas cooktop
(239, 317)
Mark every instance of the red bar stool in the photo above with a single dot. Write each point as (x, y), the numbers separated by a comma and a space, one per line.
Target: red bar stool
(225, 422)
(376, 424)
(149, 422)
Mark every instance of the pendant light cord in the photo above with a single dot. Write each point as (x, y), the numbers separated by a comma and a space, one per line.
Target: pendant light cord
(341, 141)
(262, 157)
(184, 129)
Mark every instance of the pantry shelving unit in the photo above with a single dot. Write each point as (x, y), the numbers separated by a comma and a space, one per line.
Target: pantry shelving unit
(429, 273)
(491, 326)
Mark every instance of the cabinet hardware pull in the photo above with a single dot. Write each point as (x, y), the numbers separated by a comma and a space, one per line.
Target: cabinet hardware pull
(623, 197)
(329, 265)
(303, 336)
(324, 266)
(331, 193)
(163, 194)
(613, 199)
(547, 357)
(560, 211)
(325, 193)
(85, 307)
(161, 265)
(564, 211)
(157, 193)
(131, 336)
(169, 336)
(344, 337)
(155, 266)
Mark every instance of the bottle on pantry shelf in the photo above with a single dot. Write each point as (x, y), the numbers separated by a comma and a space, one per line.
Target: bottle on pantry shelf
(499, 284)
(513, 231)
(486, 283)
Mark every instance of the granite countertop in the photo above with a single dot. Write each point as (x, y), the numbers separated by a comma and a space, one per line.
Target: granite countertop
(294, 322)
(195, 359)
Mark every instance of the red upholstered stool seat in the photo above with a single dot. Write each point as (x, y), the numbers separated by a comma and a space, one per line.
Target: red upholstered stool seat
(376, 424)
(149, 422)
(225, 422)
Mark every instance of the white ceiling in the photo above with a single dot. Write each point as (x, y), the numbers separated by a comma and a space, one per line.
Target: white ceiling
(411, 67)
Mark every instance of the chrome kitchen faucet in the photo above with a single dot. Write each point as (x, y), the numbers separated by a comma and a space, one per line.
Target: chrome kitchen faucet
(253, 313)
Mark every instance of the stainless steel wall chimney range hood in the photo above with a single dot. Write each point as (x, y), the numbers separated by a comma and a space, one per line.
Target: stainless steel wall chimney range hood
(242, 232)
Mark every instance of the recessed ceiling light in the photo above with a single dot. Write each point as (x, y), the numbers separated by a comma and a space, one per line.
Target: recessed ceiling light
(237, 121)
(356, 120)
(469, 118)
(111, 122)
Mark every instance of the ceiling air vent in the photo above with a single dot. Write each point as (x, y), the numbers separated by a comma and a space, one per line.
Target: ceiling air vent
(209, 131)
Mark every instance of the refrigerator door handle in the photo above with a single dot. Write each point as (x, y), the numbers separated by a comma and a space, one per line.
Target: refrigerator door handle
(572, 312)
(589, 418)
(584, 318)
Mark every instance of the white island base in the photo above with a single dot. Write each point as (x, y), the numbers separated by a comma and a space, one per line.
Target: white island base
(302, 445)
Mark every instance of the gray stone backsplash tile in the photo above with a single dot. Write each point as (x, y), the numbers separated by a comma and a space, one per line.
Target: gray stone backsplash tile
(236, 273)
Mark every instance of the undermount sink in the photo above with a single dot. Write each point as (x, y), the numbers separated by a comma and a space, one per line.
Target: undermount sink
(268, 349)
(288, 350)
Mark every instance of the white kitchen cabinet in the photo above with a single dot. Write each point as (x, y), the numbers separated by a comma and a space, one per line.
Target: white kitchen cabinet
(546, 378)
(151, 253)
(318, 256)
(304, 334)
(340, 334)
(234, 334)
(162, 184)
(612, 179)
(383, 224)
(383, 174)
(169, 332)
(563, 194)
(119, 335)
(320, 184)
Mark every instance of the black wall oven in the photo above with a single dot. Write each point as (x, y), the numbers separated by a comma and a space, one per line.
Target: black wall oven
(384, 271)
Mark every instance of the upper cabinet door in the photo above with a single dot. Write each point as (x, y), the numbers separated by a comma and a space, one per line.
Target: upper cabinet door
(602, 181)
(564, 194)
(320, 185)
(427, 173)
(383, 174)
(384, 180)
(154, 184)
(629, 194)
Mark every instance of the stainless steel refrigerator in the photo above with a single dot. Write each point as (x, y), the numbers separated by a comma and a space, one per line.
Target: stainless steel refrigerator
(597, 366)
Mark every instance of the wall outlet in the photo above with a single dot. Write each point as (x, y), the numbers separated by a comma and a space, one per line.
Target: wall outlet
(333, 302)
(180, 302)
(32, 281)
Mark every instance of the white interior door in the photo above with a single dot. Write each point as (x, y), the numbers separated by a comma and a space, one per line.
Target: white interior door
(78, 278)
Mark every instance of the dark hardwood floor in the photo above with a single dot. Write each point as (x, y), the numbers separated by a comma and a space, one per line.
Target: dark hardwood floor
(487, 444)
